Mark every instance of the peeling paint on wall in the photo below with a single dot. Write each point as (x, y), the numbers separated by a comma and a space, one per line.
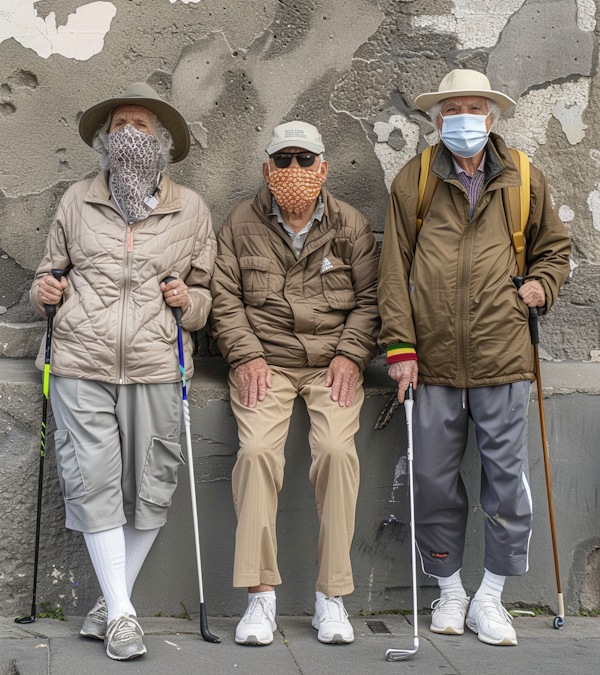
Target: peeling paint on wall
(528, 127)
(594, 206)
(570, 121)
(477, 23)
(586, 15)
(566, 213)
(80, 38)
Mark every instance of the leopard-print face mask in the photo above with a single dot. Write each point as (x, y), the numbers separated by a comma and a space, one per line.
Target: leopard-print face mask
(133, 159)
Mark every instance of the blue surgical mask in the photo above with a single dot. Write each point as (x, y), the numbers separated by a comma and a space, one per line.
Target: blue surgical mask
(464, 135)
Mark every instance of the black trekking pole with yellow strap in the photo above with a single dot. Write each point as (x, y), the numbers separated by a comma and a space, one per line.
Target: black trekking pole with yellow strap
(559, 620)
(50, 313)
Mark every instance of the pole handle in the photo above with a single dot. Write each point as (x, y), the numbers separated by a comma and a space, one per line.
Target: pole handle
(177, 313)
(533, 315)
(410, 392)
(51, 309)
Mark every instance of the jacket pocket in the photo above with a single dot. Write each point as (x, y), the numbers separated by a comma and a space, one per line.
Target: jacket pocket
(159, 478)
(255, 279)
(69, 471)
(337, 284)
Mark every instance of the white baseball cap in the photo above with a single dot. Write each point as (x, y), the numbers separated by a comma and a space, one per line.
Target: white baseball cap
(296, 135)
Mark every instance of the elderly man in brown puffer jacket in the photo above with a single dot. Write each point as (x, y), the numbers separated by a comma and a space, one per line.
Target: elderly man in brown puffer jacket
(446, 295)
(295, 312)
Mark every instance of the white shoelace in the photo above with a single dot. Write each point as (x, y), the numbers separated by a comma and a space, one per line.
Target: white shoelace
(126, 629)
(259, 610)
(494, 610)
(449, 604)
(332, 609)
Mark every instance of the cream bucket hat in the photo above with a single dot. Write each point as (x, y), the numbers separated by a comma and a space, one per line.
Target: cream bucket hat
(464, 83)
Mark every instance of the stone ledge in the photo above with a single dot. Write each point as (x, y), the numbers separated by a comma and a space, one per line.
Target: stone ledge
(20, 340)
(210, 379)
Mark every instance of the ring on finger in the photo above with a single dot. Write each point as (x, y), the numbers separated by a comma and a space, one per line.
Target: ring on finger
(175, 292)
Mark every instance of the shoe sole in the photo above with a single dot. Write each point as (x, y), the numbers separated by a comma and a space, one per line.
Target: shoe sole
(252, 641)
(505, 642)
(91, 635)
(449, 630)
(336, 640)
(125, 658)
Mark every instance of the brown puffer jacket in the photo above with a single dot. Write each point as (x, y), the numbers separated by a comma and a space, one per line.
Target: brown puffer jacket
(114, 325)
(295, 313)
(449, 291)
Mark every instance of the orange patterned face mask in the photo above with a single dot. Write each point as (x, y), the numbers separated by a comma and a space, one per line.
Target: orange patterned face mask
(295, 188)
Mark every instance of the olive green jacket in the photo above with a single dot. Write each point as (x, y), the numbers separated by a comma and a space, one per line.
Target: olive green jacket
(448, 290)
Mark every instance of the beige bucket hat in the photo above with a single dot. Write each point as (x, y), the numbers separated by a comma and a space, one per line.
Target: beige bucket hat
(464, 83)
(141, 94)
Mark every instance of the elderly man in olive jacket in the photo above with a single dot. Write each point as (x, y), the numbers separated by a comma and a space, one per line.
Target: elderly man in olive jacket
(295, 312)
(447, 296)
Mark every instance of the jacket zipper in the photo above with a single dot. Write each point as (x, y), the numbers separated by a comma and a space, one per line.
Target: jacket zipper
(122, 328)
(465, 250)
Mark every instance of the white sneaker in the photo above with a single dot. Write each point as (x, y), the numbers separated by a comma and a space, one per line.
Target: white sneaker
(258, 623)
(449, 613)
(331, 620)
(492, 623)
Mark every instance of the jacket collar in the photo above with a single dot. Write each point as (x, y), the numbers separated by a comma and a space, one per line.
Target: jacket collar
(499, 165)
(170, 194)
(321, 231)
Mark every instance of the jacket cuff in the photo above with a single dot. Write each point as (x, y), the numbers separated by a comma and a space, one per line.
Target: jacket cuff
(402, 351)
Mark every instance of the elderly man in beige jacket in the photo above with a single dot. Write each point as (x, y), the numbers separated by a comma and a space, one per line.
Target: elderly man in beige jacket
(295, 312)
(116, 383)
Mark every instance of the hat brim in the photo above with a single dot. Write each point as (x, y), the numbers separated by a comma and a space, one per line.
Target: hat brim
(93, 118)
(426, 101)
(295, 143)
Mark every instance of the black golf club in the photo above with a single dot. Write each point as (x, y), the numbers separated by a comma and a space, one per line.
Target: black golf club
(559, 620)
(177, 313)
(50, 313)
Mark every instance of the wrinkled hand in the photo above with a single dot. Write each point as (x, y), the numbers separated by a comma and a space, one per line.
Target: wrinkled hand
(253, 379)
(404, 372)
(533, 294)
(50, 290)
(176, 294)
(342, 377)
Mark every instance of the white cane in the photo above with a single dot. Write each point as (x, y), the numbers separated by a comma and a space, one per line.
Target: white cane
(400, 654)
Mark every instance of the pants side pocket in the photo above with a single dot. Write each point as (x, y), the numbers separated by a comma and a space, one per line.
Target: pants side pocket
(159, 478)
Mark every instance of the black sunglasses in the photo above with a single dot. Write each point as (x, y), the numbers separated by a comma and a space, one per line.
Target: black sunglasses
(284, 159)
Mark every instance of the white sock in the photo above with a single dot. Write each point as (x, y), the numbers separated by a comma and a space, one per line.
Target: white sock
(492, 584)
(137, 546)
(452, 585)
(262, 594)
(107, 551)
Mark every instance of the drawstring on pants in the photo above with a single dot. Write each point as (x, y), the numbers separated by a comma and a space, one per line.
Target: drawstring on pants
(464, 398)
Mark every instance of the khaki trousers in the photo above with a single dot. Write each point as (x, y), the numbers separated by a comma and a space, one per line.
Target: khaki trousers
(258, 477)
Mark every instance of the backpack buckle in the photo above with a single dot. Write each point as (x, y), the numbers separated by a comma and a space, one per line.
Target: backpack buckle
(518, 242)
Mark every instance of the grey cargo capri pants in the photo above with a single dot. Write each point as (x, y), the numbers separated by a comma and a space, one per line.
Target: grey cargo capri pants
(117, 451)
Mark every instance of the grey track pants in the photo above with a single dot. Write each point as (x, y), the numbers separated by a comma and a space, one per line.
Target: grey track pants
(441, 506)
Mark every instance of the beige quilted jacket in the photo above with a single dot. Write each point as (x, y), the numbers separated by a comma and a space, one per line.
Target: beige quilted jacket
(114, 325)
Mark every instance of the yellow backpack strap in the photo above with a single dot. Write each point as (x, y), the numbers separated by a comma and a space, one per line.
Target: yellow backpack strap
(517, 206)
(428, 182)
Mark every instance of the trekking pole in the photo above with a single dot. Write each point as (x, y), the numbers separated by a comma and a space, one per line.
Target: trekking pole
(400, 654)
(206, 634)
(559, 620)
(50, 313)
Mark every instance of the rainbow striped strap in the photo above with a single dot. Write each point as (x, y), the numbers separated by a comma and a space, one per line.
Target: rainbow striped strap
(403, 351)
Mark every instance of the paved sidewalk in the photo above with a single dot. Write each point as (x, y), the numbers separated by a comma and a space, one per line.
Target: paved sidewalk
(51, 647)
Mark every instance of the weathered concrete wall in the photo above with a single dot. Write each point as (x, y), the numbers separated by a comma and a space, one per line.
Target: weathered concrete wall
(380, 553)
(354, 68)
